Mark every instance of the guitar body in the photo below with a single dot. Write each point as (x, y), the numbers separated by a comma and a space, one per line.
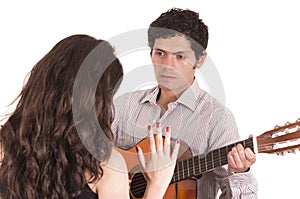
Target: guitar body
(183, 189)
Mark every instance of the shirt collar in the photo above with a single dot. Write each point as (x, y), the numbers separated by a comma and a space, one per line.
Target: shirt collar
(151, 95)
(188, 98)
(190, 95)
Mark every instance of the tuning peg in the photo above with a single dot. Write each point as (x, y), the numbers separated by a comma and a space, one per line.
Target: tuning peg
(281, 153)
(298, 126)
(287, 123)
(287, 131)
(276, 127)
(274, 135)
(292, 151)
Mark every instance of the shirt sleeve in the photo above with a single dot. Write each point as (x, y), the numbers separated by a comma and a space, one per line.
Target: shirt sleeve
(236, 186)
(232, 185)
(122, 139)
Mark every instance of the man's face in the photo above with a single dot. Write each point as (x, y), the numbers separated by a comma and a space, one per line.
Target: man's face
(174, 63)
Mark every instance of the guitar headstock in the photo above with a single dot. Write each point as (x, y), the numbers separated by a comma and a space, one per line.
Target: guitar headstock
(280, 140)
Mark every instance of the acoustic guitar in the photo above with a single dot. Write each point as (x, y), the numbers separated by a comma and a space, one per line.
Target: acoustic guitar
(280, 140)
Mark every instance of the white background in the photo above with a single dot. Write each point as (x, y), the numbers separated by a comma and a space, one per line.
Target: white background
(254, 46)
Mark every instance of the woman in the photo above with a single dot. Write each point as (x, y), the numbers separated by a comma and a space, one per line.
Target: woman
(57, 142)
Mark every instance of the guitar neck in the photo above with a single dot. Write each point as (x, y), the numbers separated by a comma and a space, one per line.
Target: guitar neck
(199, 164)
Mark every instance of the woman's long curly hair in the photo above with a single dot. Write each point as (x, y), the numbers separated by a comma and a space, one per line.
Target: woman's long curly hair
(43, 145)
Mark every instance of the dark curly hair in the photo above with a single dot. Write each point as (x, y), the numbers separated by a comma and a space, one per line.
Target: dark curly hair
(180, 22)
(44, 156)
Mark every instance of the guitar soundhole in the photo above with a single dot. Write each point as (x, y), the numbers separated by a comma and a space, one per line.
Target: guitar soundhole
(138, 185)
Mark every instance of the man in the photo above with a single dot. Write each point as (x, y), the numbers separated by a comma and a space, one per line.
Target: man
(178, 41)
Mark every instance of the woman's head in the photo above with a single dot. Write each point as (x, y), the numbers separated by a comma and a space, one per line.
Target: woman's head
(43, 152)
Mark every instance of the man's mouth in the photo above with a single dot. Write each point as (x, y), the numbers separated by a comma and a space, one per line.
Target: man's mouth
(164, 76)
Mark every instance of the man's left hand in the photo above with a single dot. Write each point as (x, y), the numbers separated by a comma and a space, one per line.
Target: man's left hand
(240, 159)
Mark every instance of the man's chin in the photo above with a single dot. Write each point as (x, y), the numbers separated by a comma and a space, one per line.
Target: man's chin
(166, 87)
(172, 87)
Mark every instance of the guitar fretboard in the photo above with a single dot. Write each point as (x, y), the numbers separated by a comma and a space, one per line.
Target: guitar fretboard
(199, 164)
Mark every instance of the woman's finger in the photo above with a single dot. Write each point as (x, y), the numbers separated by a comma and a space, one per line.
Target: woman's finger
(175, 150)
(141, 157)
(159, 144)
(167, 141)
(151, 139)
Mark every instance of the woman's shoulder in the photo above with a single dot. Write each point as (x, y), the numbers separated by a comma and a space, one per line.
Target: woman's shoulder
(114, 171)
(116, 161)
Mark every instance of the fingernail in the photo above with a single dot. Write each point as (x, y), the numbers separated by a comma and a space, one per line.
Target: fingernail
(157, 124)
(168, 129)
(149, 127)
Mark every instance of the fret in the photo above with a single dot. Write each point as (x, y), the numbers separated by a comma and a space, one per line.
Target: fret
(238, 143)
(176, 174)
(209, 165)
(190, 167)
(215, 158)
(193, 161)
(212, 159)
(249, 143)
(223, 152)
(185, 169)
(197, 165)
(244, 143)
(229, 147)
(199, 162)
(220, 157)
(180, 173)
(203, 164)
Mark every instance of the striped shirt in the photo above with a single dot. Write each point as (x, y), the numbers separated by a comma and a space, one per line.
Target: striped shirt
(195, 118)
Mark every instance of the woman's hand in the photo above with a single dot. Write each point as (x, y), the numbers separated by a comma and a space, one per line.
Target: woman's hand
(160, 164)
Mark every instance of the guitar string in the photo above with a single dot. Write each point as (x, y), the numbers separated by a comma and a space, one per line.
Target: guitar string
(142, 183)
(186, 170)
(190, 168)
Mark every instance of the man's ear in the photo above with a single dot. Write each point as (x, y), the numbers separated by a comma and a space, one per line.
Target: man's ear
(201, 59)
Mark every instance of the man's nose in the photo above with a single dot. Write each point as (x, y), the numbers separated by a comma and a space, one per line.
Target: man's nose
(170, 61)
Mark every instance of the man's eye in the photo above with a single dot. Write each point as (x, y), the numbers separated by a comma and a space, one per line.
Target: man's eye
(180, 57)
(159, 53)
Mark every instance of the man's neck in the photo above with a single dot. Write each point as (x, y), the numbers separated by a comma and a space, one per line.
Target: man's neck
(165, 97)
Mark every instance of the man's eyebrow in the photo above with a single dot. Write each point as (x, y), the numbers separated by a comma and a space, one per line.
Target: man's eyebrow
(179, 52)
(159, 49)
